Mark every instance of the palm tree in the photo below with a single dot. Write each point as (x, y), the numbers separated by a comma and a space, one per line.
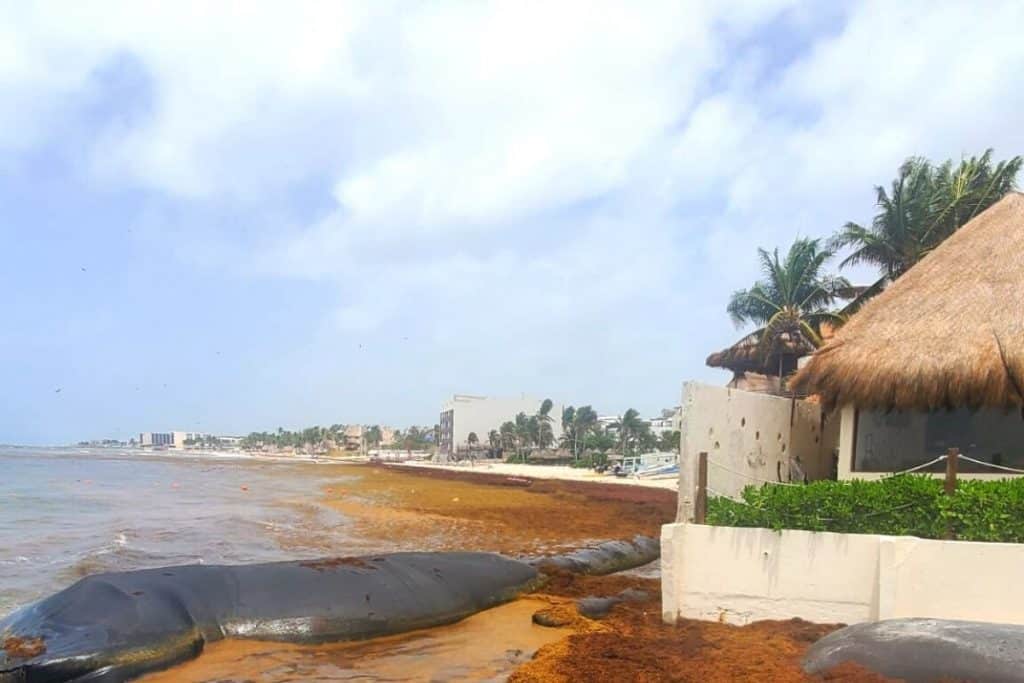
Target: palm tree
(494, 441)
(790, 303)
(526, 431)
(576, 423)
(925, 205)
(586, 421)
(545, 435)
(472, 439)
(669, 441)
(630, 427)
(568, 427)
(373, 436)
(507, 431)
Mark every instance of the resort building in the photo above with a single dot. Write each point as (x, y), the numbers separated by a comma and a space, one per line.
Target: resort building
(465, 414)
(668, 421)
(173, 439)
(156, 439)
(353, 438)
(936, 361)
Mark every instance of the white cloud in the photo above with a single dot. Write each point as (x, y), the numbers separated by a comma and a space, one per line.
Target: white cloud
(590, 173)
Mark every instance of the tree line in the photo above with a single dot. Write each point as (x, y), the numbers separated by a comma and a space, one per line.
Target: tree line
(582, 433)
(926, 203)
(317, 437)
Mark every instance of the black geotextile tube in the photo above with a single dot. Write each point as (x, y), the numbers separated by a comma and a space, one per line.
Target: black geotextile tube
(925, 650)
(114, 626)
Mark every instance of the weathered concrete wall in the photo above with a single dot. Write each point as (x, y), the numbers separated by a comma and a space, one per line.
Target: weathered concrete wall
(748, 437)
(743, 575)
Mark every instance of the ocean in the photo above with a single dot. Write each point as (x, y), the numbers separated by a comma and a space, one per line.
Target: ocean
(69, 512)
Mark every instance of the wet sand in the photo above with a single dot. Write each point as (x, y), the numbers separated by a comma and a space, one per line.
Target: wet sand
(485, 647)
(432, 509)
(386, 509)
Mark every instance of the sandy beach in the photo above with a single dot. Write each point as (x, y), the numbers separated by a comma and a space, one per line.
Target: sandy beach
(496, 509)
(563, 472)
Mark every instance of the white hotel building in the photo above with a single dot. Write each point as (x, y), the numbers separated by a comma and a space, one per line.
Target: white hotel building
(463, 414)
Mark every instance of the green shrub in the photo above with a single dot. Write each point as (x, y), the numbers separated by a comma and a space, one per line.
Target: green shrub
(590, 460)
(913, 505)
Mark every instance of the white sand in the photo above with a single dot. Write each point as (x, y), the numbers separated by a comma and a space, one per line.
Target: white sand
(548, 472)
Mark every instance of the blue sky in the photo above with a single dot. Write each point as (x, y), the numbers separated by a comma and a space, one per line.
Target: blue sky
(231, 217)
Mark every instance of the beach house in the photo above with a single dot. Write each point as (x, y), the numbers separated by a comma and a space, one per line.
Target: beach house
(936, 361)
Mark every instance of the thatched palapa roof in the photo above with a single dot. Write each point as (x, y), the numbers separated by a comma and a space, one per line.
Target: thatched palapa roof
(747, 355)
(948, 333)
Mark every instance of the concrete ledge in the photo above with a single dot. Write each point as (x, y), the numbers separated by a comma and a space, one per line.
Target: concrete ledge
(739, 575)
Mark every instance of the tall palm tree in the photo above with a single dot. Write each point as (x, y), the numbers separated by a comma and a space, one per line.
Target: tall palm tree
(924, 205)
(630, 427)
(568, 426)
(525, 431)
(494, 441)
(544, 432)
(790, 303)
(472, 440)
(507, 431)
(576, 424)
(373, 436)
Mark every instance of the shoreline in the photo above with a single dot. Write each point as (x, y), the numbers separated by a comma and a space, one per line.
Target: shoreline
(537, 472)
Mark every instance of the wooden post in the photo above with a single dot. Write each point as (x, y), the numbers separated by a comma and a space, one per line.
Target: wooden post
(952, 456)
(700, 505)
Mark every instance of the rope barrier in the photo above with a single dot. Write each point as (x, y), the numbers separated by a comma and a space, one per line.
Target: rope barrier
(921, 466)
(990, 464)
(751, 477)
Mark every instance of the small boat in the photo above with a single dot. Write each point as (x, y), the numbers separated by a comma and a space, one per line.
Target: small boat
(666, 471)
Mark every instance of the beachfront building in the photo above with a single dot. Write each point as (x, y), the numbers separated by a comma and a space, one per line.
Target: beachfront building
(668, 421)
(156, 439)
(936, 361)
(464, 414)
(174, 439)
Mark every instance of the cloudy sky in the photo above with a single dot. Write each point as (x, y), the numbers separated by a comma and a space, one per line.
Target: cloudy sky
(235, 216)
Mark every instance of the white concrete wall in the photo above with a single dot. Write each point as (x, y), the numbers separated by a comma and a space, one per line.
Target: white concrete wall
(752, 434)
(951, 580)
(743, 575)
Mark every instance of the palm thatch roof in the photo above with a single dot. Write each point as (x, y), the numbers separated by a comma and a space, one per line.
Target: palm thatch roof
(748, 355)
(948, 333)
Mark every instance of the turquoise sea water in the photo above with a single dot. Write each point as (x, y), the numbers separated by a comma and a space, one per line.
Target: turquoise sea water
(65, 513)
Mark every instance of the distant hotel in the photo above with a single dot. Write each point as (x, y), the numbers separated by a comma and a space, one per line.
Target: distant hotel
(182, 439)
(465, 414)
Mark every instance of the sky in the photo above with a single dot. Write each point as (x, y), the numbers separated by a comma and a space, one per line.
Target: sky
(235, 216)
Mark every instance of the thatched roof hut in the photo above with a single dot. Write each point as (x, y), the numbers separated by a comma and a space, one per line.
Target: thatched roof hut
(747, 355)
(948, 333)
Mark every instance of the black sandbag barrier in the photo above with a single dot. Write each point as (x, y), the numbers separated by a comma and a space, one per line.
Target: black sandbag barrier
(925, 650)
(114, 626)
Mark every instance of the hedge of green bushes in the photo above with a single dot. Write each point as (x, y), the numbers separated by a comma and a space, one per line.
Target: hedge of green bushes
(913, 505)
